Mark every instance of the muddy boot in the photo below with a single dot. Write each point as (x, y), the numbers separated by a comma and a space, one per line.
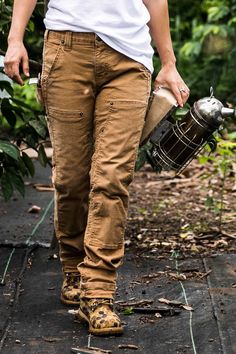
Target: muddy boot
(70, 291)
(100, 316)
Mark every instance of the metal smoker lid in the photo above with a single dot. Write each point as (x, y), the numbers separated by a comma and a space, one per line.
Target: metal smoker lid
(212, 110)
(209, 109)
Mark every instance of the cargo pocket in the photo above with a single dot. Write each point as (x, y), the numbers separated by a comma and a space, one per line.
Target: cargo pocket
(68, 130)
(106, 223)
(71, 142)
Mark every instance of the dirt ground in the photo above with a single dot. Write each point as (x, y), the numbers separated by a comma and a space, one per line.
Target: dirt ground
(171, 296)
(192, 214)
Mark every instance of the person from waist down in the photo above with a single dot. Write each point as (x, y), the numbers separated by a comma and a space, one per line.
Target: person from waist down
(125, 27)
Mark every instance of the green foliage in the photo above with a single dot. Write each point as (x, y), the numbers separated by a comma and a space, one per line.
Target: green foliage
(222, 162)
(204, 39)
(204, 35)
(22, 125)
(12, 168)
(34, 30)
(128, 311)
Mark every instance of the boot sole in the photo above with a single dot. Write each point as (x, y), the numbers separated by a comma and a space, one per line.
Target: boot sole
(99, 331)
(69, 302)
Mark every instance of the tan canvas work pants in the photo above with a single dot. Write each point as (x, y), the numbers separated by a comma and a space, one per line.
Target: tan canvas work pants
(95, 100)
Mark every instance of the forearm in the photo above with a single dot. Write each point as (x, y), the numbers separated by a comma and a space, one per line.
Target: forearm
(160, 29)
(22, 11)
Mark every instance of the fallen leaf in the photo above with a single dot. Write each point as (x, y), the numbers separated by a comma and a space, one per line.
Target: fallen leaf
(177, 276)
(187, 307)
(73, 312)
(158, 315)
(51, 339)
(43, 187)
(220, 243)
(127, 243)
(34, 209)
(176, 303)
(52, 256)
(184, 235)
(169, 302)
(194, 248)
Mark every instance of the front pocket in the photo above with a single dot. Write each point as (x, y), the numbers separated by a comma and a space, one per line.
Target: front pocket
(51, 54)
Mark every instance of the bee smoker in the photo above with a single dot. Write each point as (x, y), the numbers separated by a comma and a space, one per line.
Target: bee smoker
(173, 144)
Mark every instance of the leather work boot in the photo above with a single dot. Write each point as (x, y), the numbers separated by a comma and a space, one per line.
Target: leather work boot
(70, 291)
(100, 316)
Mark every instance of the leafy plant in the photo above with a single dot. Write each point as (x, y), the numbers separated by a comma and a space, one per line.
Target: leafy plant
(13, 166)
(128, 311)
(22, 125)
(222, 162)
(204, 40)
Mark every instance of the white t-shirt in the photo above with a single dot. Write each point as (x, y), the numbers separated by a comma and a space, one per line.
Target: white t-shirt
(122, 24)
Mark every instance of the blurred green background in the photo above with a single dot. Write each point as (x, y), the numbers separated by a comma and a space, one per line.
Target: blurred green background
(204, 39)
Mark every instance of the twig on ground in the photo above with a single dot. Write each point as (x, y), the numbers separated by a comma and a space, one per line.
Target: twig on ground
(205, 274)
(127, 346)
(226, 234)
(134, 303)
(90, 350)
(163, 311)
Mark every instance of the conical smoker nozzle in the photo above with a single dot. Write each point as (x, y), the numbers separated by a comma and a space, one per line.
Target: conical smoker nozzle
(228, 112)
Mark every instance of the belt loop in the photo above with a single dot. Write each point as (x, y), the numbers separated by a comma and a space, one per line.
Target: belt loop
(68, 40)
(46, 33)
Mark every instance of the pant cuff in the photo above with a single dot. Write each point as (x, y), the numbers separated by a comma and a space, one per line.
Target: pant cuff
(69, 268)
(97, 290)
(95, 294)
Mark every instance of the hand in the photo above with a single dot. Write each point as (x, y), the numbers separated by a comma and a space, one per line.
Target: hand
(15, 57)
(169, 77)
